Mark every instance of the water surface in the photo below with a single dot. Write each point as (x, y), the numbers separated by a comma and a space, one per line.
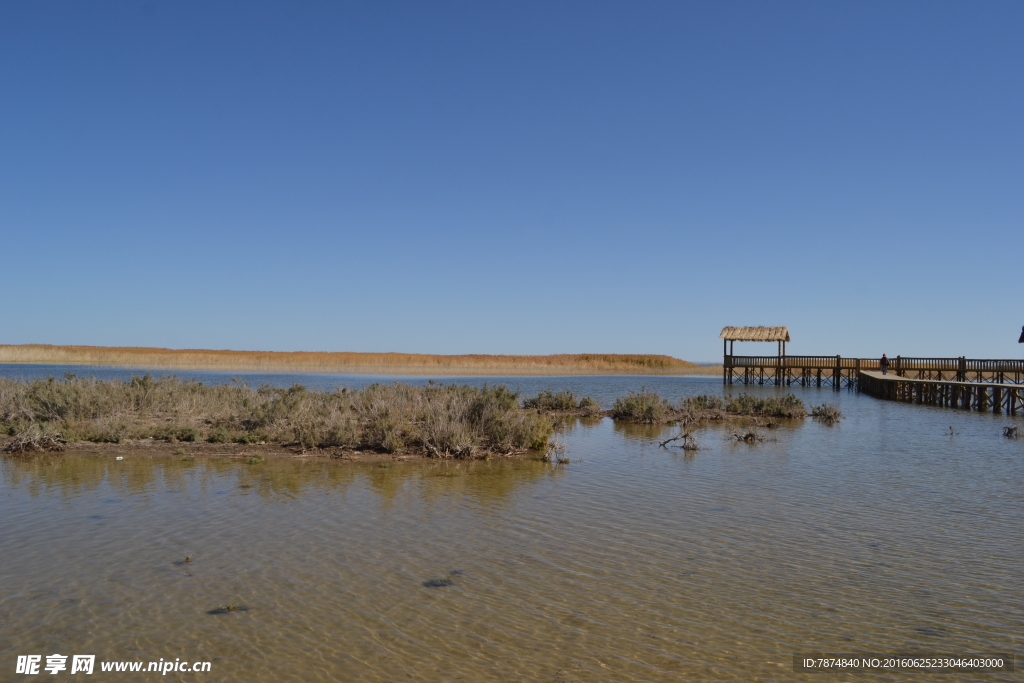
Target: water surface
(889, 532)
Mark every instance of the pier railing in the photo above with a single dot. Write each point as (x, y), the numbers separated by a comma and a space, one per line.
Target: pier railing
(837, 371)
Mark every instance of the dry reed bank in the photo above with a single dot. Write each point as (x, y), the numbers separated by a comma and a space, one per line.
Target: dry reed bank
(435, 420)
(350, 362)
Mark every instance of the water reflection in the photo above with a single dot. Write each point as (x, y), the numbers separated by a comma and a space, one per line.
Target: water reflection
(643, 433)
(70, 475)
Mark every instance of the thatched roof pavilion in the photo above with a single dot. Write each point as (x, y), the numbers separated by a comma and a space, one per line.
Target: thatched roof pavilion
(759, 334)
(774, 334)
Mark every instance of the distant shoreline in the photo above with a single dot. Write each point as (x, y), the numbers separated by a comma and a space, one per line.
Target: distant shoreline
(352, 362)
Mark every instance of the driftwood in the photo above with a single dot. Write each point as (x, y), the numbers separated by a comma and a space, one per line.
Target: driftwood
(689, 443)
(749, 436)
(36, 438)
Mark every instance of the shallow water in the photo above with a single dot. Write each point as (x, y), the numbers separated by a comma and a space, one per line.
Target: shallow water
(886, 533)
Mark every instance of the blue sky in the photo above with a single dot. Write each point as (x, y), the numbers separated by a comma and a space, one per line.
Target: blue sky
(513, 177)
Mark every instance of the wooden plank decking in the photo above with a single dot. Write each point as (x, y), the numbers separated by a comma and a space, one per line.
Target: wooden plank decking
(984, 396)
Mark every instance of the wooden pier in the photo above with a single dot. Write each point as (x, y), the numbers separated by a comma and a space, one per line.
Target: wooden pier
(838, 372)
(970, 383)
(996, 397)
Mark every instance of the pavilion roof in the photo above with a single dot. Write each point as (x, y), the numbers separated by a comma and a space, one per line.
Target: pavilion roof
(766, 334)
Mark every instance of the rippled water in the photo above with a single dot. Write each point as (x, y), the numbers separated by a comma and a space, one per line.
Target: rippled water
(887, 533)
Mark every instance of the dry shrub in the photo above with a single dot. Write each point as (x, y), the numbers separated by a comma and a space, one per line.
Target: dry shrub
(694, 410)
(551, 401)
(645, 407)
(35, 437)
(650, 408)
(563, 402)
(781, 406)
(445, 421)
(703, 402)
(590, 407)
(827, 413)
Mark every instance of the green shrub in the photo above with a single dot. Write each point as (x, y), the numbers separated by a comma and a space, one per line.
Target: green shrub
(590, 406)
(827, 413)
(174, 433)
(548, 401)
(781, 406)
(220, 435)
(108, 432)
(702, 402)
(644, 407)
(187, 434)
(250, 438)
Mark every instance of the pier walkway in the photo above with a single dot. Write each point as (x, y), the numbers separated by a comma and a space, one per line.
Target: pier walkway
(984, 396)
(838, 372)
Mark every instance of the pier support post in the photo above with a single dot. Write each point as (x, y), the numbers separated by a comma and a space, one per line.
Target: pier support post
(726, 370)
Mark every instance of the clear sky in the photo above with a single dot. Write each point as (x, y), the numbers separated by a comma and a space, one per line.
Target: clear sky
(513, 177)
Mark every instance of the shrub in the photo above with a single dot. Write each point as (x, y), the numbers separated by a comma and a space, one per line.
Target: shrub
(447, 421)
(590, 406)
(548, 401)
(645, 407)
(781, 406)
(36, 437)
(250, 438)
(187, 434)
(175, 433)
(220, 435)
(108, 431)
(827, 413)
(702, 402)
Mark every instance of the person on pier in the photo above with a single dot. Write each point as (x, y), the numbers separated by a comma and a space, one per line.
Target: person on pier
(884, 364)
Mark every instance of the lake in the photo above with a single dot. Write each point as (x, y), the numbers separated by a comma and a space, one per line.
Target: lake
(896, 530)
